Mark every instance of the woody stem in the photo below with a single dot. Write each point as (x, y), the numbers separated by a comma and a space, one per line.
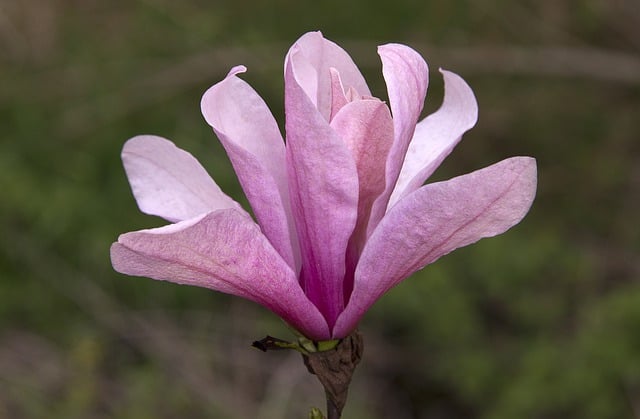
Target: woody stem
(334, 368)
(332, 410)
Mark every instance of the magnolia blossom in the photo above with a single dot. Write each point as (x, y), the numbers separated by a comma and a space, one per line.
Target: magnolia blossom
(341, 213)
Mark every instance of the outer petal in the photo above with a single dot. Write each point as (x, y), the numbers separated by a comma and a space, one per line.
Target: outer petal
(224, 251)
(407, 77)
(314, 57)
(433, 221)
(169, 182)
(437, 135)
(250, 135)
(323, 182)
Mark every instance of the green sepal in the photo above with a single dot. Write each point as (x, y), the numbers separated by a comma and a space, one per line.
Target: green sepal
(302, 344)
(327, 345)
(315, 413)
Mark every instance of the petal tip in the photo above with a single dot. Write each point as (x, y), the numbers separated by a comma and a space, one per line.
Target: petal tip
(237, 70)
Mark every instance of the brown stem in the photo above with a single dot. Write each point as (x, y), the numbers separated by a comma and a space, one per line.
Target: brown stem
(333, 412)
(334, 368)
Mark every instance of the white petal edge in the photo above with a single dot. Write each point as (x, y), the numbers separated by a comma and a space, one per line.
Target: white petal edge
(437, 135)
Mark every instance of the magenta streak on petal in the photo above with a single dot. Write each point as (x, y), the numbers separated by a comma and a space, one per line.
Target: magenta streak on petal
(435, 220)
(224, 251)
(323, 184)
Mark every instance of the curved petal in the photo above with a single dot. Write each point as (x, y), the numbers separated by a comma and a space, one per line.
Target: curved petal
(366, 128)
(437, 135)
(313, 57)
(323, 184)
(407, 78)
(169, 182)
(224, 251)
(250, 135)
(433, 221)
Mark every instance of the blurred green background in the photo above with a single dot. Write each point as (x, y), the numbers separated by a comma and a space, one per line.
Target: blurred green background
(541, 322)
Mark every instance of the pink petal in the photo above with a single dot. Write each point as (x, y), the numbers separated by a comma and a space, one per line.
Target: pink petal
(367, 129)
(407, 77)
(313, 57)
(224, 251)
(250, 135)
(338, 98)
(437, 135)
(323, 183)
(169, 182)
(433, 221)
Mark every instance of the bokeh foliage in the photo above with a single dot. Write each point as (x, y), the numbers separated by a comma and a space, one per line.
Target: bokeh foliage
(542, 322)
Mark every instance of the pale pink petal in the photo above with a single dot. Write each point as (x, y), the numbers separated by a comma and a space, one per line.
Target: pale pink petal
(433, 221)
(314, 56)
(224, 251)
(407, 77)
(250, 135)
(437, 135)
(323, 183)
(169, 182)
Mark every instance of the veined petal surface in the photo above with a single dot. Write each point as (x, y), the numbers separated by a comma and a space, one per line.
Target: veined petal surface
(169, 182)
(313, 57)
(433, 221)
(323, 183)
(250, 135)
(224, 251)
(407, 77)
(342, 216)
(437, 135)
(366, 128)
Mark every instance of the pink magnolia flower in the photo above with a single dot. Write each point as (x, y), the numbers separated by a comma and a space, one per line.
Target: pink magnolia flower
(342, 213)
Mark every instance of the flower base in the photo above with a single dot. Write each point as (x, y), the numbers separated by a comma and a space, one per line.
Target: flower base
(333, 362)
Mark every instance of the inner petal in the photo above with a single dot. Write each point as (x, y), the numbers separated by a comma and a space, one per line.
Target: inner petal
(338, 97)
(366, 127)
